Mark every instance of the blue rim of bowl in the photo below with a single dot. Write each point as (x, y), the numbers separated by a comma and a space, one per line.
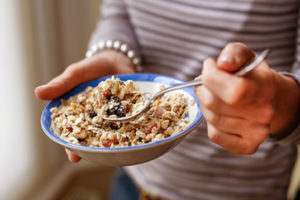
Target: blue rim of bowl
(145, 77)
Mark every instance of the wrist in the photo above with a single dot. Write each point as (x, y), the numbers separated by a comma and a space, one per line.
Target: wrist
(118, 62)
(287, 105)
(119, 48)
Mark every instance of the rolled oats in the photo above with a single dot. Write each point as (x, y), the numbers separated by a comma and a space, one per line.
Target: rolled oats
(78, 119)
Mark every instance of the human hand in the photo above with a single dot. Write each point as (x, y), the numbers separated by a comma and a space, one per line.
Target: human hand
(242, 111)
(104, 63)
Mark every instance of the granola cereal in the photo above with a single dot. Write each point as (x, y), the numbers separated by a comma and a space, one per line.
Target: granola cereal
(78, 120)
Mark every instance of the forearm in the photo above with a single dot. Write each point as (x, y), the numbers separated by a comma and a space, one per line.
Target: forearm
(287, 106)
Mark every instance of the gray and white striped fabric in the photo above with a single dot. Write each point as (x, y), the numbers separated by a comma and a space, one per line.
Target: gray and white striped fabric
(173, 37)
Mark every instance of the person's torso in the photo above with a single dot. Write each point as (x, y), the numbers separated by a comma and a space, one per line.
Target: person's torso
(175, 36)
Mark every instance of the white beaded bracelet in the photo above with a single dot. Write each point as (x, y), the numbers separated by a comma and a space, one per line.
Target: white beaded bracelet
(118, 46)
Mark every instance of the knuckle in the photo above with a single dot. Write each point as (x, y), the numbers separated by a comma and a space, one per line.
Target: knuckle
(263, 132)
(209, 102)
(206, 70)
(214, 119)
(70, 68)
(233, 122)
(248, 148)
(214, 136)
(267, 114)
(260, 136)
(237, 93)
(199, 92)
(73, 70)
(64, 83)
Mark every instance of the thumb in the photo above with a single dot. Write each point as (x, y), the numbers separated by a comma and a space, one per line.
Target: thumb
(57, 86)
(234, 56)
(84, 70)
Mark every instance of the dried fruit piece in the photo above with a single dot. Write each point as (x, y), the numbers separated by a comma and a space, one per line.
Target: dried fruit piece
(112, 111)
(127, 108)
(91, 113)
(120, 111)
(107, 94)
(150, 129)
(114, 100)
(109, 142)
(69, 128)
(114, 126)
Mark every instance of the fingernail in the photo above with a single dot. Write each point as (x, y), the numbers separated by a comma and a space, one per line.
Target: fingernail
(41, 86)
(226, 59)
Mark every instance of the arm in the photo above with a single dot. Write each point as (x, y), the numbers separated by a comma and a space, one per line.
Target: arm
(115, 25)
(292, 133)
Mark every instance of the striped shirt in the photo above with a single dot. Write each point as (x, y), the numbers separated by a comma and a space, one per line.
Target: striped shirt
(173, 37)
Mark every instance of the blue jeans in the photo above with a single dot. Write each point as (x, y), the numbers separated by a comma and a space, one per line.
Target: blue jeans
(123, 187)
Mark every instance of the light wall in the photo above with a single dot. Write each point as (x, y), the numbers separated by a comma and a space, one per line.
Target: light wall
(38, 39)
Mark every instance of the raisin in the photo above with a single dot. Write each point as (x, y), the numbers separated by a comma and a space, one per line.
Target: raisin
(80, 139)
(91, 113)
(120, 112)
(69, 128)
(140, 139)
(114, 126)
(112, 111)
(127, 108)
(114, 100)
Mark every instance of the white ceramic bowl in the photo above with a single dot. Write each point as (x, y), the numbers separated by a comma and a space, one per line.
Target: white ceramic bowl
(123, 156)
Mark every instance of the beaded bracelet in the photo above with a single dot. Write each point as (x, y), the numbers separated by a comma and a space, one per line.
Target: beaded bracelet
(118, 46)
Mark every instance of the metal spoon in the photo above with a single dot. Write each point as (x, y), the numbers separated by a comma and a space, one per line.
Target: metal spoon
(247, 68)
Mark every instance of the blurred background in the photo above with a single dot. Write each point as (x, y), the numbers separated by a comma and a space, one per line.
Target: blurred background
(39, 38)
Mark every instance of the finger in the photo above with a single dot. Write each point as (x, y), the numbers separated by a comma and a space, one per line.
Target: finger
(58, 86)
(242, 127)
(75, 74)
(233, 56)
(260, 113)
(229, 88)
(82, 71)
(72, 157)
(233, 143)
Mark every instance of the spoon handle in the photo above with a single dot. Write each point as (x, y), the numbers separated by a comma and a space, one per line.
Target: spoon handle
(258, 59)
(197, 81)
(247, 68)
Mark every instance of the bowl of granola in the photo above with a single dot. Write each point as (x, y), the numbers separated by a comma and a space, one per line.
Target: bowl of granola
(75, 119)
